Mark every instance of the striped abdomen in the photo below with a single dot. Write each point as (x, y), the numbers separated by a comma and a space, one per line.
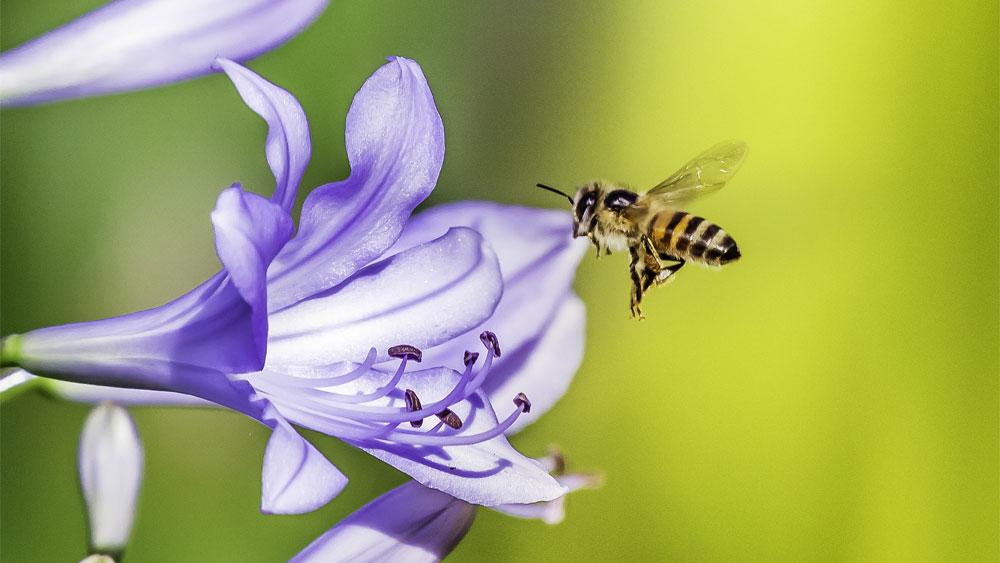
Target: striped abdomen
(692, 238)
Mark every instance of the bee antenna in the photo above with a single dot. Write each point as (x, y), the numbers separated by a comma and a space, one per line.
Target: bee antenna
(553, 190)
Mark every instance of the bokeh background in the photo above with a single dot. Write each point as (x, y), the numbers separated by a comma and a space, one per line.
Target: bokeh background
(831, 397)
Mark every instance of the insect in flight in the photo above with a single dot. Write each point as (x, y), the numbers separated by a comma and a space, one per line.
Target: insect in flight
(651, 225)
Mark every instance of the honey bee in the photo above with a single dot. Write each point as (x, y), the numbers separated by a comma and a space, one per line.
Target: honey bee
(660, 237)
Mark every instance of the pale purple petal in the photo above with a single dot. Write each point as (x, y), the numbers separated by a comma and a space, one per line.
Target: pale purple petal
(410, 524)
(553, 511)
(539, 320)
(395, 145)
(296, 477)
(132, 44)
(543, 367)
(249, 232)
(287, 146)
(421, 297)
(538, 260)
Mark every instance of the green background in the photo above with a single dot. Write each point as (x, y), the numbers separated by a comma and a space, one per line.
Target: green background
(832, 396)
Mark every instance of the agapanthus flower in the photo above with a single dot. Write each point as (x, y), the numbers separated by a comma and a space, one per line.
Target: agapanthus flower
(330, 307)
(110, 463)
(133, 44)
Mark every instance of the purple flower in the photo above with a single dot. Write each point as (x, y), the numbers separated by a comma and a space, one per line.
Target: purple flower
(133, 44)
(343, 310)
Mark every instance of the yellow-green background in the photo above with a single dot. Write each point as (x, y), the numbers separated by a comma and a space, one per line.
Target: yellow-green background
(833, 396)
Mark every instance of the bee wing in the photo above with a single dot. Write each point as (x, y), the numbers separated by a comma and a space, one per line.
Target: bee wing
(706, 173)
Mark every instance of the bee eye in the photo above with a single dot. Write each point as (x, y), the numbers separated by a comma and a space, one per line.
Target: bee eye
(619, 199)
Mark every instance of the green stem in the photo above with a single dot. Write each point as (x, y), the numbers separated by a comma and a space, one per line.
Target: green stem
(17, 384)
(10, 350)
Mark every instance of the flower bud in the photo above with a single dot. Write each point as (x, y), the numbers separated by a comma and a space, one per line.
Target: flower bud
(110, 463)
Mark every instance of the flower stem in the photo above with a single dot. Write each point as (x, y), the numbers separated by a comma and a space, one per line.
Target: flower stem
(16, 384)
(10, 350)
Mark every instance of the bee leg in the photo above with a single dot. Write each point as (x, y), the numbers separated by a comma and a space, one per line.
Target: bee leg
(637, 270)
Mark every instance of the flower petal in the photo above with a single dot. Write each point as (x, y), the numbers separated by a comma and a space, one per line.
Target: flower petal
(287, 147)
(296, 477)
(410, 523)
(538, 260)
(543, 367)
(539, 321)
(420, 297)
(249, 232)
(553, 511)
(395, 145)
(132, 44)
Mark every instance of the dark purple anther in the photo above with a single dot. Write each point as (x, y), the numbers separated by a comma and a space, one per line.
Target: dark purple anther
(406, 351)
(521, 400)
(470, 358)
(412, 405)
(450, 418)
(490, 341)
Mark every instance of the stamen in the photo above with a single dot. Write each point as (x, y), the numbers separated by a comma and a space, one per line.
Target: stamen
(406, 351)
(450, 418)
(522, 401)
(315, 382)
(413, 404)
(490, 341)
(428, 439)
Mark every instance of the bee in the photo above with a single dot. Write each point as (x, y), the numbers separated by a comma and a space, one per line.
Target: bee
(659, 236)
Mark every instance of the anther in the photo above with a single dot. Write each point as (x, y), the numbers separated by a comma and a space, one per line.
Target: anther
(450, 418)
(490, 341)
(470, 358)
(406, 351)
(558, 461)
(412, 405)
(521, 400)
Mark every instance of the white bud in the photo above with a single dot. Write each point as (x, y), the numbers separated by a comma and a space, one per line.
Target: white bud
(110, 462)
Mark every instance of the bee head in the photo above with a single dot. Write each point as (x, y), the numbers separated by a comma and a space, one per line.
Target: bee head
(585, 208)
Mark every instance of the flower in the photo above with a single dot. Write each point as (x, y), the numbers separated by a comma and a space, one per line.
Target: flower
(110, 461)
(133, 44)
(328, 308)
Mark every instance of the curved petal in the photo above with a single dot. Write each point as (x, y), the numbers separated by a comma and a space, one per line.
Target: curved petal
(540, 322)
(538, 260)
(553, 511)
(395, 144)
(287, 146)
(543, 367)
(421, 297)
(249, 232)
(132, 44)
(296, 477)
(409, 523)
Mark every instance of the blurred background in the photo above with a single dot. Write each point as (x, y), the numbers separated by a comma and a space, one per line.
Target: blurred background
(833, 396)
